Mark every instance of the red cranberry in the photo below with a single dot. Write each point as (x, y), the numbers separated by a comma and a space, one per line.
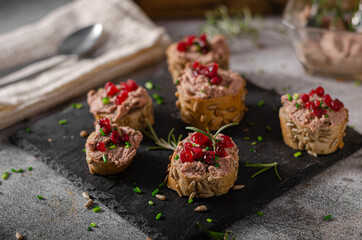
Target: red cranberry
(195, 65)
(115, 138)
(199, 138)
(189, 40)
(125, 138)
(188, 145)
(105, 125)
(122, 96)
(209, 157)
(214, 68)
(317, 103)
(327, 100)
(308, 105)
(220, 151)
(186, 155)
(225, 141)
(101, 146)
(320, 91)
(125, 87)
(181, 46)
(132, 85)
(197, 151)
(216, 80)
(208, 143)
(336, 105)
(202, 37)
(316, 113)
(312, 92)
(111, 89)
(304, 97)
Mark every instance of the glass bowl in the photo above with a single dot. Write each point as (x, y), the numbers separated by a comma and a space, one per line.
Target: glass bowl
(332, 53)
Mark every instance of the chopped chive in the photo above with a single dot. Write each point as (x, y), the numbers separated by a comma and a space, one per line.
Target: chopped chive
(268, 128)
(226, 86)
(297, 154)
(13, 170)
(190, 200)
(158, 88)
(295, 96)
(128, 144)
(217, 165)
(161, 185)
(89, 229)
(137, 190)
(177, 157)
(40, 197)
(134, 184)
(20, 170)
(158, 98)
(289, 97)
(326, 115)
(202, 90)
(84, 150)
(253, 143)
(274, 109)
(251, 150)
(77, 105)
(150, 203)
(209, 220)
(261, 71)
(246, 138)
(260, 138)
(297, 105)
(328, 217)
(5, 175)
(104, 158)
(259, 213)
(112, 177)
(216, 158)
(155, 192)
(105, 100)
(251, 124)
(357, 83)
(96, 209)
(93, 225)
(207, 148)
(112, 146)
(261, 103)
(158, 216)
(149, 85)
(177, 82)
(62, 122)
(30, 168)
(28, 130)
(326, 107)
(102, 132)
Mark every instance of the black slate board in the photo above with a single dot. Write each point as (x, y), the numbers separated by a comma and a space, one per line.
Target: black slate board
(147, 170)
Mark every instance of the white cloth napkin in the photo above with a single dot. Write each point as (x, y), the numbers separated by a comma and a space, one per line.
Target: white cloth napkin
(132, 41)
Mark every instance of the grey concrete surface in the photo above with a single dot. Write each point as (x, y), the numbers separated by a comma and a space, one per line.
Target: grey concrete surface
(298, 214)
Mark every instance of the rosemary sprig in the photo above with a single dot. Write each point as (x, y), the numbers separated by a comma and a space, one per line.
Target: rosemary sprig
(170, 144)
(216, 235)
(265, 167)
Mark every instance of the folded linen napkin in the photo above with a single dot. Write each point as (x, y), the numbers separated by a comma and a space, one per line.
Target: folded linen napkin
(132, 41)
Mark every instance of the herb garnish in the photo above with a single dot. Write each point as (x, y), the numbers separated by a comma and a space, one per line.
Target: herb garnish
(62, 122)
(137, 190)
(93, 225)
(297, 154)
(105, 100)
(150, 203)
(102, 132)
(328, 217)
(190, 200)
(268, 128)
(170, 144)
(216, 235)
(40, 197)
(5, 175)
(77, 105)
(259, 213)
(246, 138)
(155, 192)
(28, 130)
(209, 220)
(96, 209)
(149, 85)
(104, 158)
(261, 103)
(159, 215)
(158, 98)
(265, 166)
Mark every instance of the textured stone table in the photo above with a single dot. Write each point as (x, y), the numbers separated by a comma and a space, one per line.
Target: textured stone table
(298, 214)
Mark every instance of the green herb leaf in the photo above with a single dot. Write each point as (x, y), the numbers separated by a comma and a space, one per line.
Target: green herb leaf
(260, 138)
(190, 200)
(297, 105)
(217, 165)
(268, 128)
(177, 82)
(62, 122)
(30, 168)
(289, 97)
(89, 229)
(246, 138)
(171, 144)
(149, 85)
(328, 217)
(177, 157)
(96, 209)
(159, 215)
(77, 105)
(93, 225)
(155, 192)
(158, 98)
(297, 154)
(84, 150)
(326, 115)
(259, 213)
(13, 170)
(28, 130)
(5, 175)
(104, 158)
(40, 197)
(251, 150)
(251, 124)
(261, 103)
(253, 143)
(20, 170)
(102, 132)
(295, 96)
(105, 100)
(112, 146)
(161, 185)
(150, 203)
(209, 220)
(215, 235)
(137, 190)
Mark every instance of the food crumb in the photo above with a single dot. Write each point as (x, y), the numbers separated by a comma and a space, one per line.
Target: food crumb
(50, 140)
(83, 133)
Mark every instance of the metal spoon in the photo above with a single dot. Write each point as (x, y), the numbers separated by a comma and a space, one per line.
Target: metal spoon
(79, 43)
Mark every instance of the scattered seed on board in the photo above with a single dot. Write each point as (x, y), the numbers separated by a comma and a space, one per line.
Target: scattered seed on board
(148, 238)
(50, 140)
(86, 195)
(83, 133)
(160, 197)
(88, 203)
(201, 208)
(19, 236)
(237, 187)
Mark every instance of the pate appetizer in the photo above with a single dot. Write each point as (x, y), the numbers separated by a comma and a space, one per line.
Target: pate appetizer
(197, 169)
(192, 48)
(126, 104)
(313, 122)
(209, 97)
(111, 149)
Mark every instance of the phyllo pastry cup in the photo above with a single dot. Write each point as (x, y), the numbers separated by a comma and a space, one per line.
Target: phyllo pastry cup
(111, 149)
(126, 104)
(199, 171)
(313, 122)
(209, 97)
(197, 49)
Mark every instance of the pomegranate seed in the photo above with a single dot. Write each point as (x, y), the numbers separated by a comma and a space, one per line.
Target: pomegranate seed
(125, 87)
(132, 85)
(101, 146)
(197, 152)
(220, 151)
(202, 37)
(189, 145)
(111, 89)
(115, 138)
(320, 91)
(105, 125)
(216, 80)
(317, 103)
(199, 138)
(122, 96)
(316, 113)
(336, 105)
(125, 138)
(208, 143)
(304, 97)
(308, 105)
(195, 65)
(214, 68)
(327, 100)
(312, 92)
(186, 155)
(209, 157)
(225, 141)
(181, 46)
(189, 40)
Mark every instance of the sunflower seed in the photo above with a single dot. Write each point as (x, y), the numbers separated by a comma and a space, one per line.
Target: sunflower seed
(192, 186)
(300, 145)
(195, 108)
(231, 109)
(19, 236)
(192, 195)
(175, 174)
(290, 124)
(212, 107)
(178, 104)
(160, 197)
(178, 190)
(85, 195)
(202, 118)
(334, 142)
(312, 153)
(295, 130)
(88, 203)
(237, 187)
(323, 139)
(217, 112)
(165, 180)
(199, 186)
(201, 208)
